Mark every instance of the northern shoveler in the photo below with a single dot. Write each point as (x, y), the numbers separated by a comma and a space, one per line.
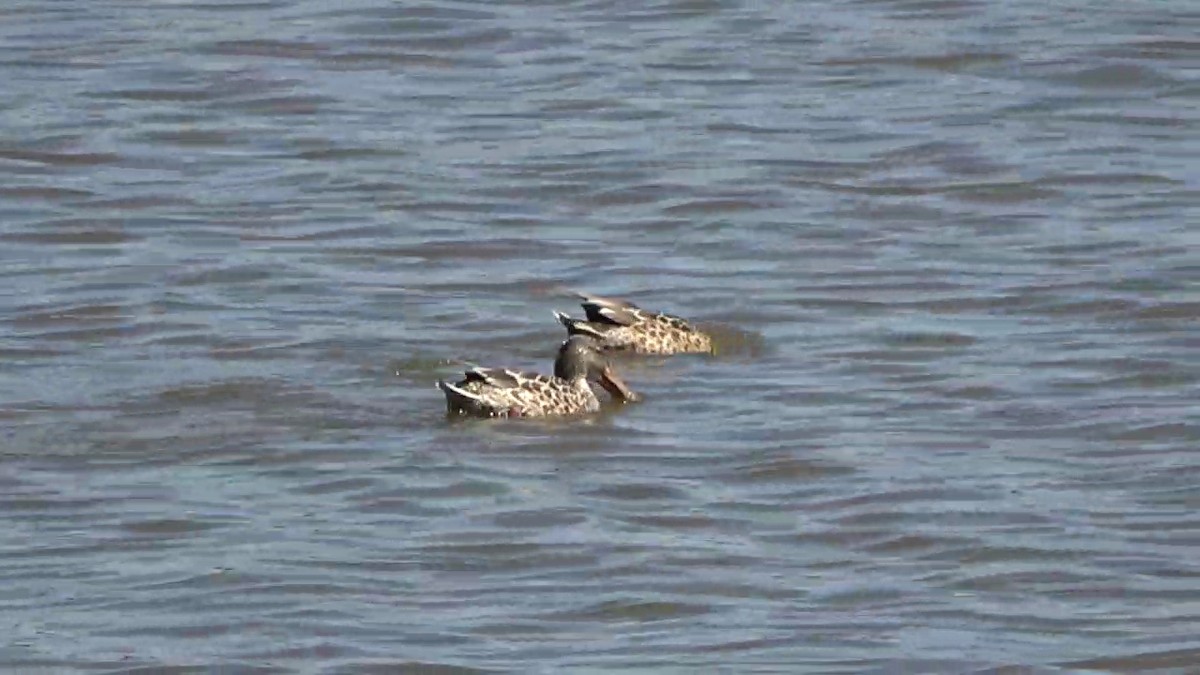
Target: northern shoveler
(619, 326)
(498, 392)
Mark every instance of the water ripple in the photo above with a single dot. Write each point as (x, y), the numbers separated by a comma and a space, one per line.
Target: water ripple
(942, 246)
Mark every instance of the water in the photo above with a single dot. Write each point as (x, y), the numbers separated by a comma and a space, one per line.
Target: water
(951, 247)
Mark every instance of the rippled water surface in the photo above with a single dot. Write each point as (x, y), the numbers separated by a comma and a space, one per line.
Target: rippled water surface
(951, 248)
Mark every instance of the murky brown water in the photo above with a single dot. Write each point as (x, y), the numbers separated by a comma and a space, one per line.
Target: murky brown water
(240, 241)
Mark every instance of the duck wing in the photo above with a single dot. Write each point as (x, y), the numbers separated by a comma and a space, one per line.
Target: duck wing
(610, 310)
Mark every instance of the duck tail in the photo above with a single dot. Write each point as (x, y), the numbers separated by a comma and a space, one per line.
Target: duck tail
(458, 399)
(578, 326)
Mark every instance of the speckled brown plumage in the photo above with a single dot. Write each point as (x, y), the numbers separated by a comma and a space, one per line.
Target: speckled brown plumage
(623, 326)
(505, 393)
(499, 392)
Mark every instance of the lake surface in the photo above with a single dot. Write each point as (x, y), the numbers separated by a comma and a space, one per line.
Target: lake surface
(951, 249)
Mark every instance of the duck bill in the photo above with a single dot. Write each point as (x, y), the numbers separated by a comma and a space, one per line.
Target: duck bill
(616, 386)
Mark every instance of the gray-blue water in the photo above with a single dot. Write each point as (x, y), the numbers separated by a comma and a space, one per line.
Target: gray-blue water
(953, 247)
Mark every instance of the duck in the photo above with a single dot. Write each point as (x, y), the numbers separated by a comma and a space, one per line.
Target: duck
(619, 325)
(500, 392)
